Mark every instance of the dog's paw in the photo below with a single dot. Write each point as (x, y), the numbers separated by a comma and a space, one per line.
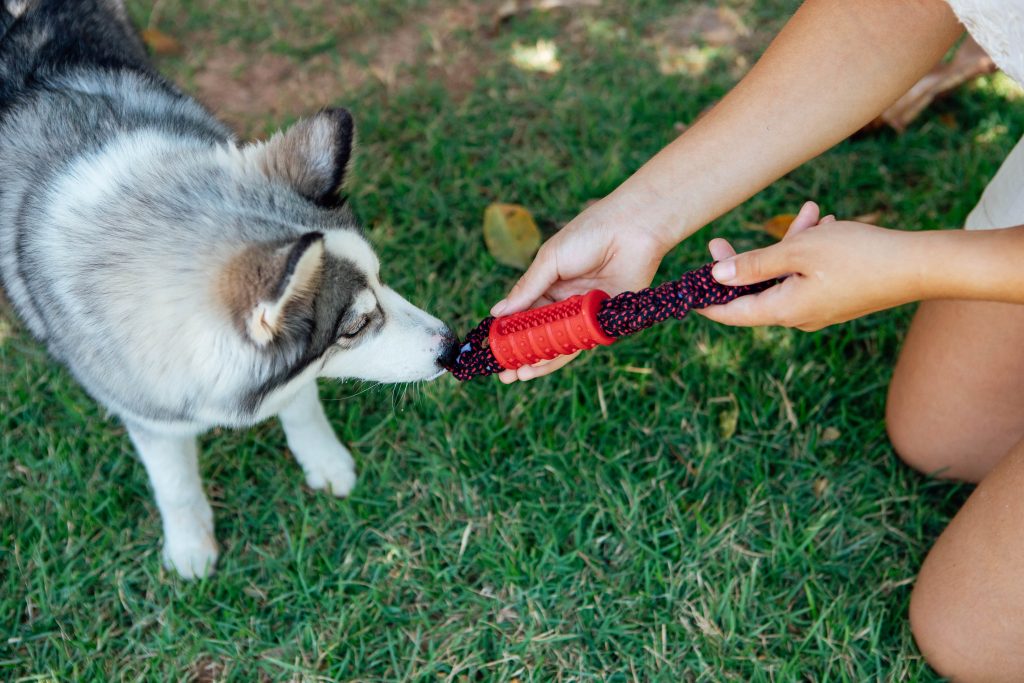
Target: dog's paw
(189, 545)
(328, 464)
(192, 558)
(337, 477)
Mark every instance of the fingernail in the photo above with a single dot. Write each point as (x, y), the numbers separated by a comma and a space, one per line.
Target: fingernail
(497, 309)
(724, 271)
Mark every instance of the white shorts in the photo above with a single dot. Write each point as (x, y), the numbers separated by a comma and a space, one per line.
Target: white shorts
(1002, 203)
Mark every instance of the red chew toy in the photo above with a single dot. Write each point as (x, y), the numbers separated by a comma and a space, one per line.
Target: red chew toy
(583, 322)
(544, 333)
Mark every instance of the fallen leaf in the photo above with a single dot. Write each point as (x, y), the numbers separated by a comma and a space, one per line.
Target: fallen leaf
(160, 43)
(541, 57)
(829, 435)
(692, 60)
(728, 419)
(777, 226)
(820, 487)
(511, 235)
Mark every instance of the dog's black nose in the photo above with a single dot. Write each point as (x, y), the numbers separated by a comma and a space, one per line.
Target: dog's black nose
(449, 351)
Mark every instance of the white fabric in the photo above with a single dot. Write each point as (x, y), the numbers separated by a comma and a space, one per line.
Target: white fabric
(998, 26)
(1002, 203)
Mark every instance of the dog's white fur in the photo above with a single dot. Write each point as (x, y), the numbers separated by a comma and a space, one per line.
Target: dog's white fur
(405, 349)
(187, 281)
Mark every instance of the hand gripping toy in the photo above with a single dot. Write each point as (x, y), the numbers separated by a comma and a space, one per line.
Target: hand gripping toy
(584, 321)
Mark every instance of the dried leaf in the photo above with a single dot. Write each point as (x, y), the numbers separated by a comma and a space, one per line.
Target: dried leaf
(829, 435)
(541, 57)
(511, 235)
(820, 487)
(160, 43)
(728, 420)
(776, 226)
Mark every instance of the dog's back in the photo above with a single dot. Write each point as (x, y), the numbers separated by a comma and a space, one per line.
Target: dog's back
(81, 110)
(41, 38)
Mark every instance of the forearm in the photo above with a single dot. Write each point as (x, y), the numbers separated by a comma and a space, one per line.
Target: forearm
(836, 65)
(967, 264)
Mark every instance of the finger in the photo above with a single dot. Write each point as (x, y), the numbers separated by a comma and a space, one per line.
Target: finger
(807, 218)
(752, 310)
(755, 266)
(827, 219)
(720, 249)
(533, 283)
(528, 372)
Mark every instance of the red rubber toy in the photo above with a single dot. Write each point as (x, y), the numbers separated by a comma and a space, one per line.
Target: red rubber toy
(583, 322)
(550, 331)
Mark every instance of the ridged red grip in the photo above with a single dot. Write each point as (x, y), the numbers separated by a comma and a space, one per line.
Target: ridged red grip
(547, 332)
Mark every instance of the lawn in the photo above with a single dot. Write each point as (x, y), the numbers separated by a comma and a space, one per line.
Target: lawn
(697, 504)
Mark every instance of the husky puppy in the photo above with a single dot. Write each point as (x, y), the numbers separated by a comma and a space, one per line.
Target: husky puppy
(187, 281)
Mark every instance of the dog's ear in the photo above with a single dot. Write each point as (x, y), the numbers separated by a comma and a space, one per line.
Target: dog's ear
(265, 283)
(312, 156)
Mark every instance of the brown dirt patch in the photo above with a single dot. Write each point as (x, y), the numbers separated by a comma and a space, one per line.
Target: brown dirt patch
(244, 89)
(246, 86)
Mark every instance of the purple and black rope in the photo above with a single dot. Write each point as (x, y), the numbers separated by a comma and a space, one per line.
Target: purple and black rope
(620, 315)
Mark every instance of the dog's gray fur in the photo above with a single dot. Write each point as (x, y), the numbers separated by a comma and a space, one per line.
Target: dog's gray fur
(185, 280)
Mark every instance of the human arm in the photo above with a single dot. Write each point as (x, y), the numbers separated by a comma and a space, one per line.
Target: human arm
(833, 68)
(839, 270)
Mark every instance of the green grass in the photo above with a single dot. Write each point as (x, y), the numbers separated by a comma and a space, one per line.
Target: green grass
(502, 533)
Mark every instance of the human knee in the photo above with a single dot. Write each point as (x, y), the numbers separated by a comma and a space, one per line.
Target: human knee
(949, 640)
(931, 632)
(915, 443)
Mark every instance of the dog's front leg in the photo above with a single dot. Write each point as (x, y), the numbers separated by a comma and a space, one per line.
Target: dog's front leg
(172, 463)
(327, 464)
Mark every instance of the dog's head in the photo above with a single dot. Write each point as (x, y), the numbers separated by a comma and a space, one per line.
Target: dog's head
(316, 297)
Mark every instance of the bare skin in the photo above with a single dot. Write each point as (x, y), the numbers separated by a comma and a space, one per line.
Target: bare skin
(956, 401)
(967, 608)
(773, 120)
(956, 406)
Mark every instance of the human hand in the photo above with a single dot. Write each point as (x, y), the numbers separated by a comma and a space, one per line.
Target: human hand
(835, 271)
(606, 247)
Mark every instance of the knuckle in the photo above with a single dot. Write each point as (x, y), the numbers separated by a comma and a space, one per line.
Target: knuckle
(753, 265)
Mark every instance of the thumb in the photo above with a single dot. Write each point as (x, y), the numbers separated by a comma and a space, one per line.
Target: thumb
(754, 266)
(807, 218)
(541, 274)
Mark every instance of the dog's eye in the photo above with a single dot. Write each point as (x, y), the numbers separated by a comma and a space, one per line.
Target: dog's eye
(355, 328)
